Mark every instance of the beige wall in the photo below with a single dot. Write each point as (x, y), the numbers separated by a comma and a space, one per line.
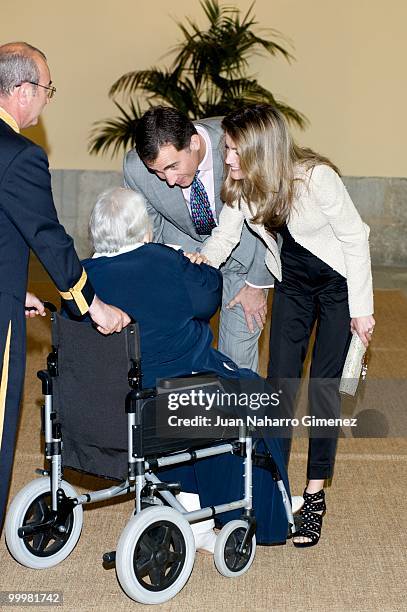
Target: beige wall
(349, 77)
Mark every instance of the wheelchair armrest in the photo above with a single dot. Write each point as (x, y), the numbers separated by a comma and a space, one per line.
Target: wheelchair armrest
(186, 382)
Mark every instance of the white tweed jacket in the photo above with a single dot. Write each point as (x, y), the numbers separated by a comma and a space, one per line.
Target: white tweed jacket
(323, 220)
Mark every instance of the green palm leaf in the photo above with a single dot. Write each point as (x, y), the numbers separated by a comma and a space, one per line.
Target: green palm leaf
(117, 133)
(208, 76)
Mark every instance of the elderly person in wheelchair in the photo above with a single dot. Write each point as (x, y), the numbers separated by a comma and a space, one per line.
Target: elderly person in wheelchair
(173, 300)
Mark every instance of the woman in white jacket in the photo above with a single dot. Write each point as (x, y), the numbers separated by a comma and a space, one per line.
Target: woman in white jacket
(293, 196)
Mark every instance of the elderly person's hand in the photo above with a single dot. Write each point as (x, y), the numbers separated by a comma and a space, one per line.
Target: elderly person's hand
(364, 327)
(197, 258)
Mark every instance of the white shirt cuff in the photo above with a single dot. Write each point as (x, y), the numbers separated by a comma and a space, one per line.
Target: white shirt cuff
(259, 286)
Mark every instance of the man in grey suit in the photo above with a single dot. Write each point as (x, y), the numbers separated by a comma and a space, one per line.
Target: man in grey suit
(175, 163)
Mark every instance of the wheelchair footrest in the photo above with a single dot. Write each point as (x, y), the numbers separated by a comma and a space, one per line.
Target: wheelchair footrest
(109, 559)
(173, 487)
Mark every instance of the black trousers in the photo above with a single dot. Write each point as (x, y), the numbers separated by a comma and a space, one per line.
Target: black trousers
(12, 368)
(310, 292)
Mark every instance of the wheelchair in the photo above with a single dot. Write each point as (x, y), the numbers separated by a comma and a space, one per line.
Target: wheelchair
(90, 382)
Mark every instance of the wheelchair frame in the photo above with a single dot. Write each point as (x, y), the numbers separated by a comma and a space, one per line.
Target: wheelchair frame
(146, 486)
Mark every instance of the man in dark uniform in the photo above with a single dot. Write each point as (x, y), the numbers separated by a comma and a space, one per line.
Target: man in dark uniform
(28, 219)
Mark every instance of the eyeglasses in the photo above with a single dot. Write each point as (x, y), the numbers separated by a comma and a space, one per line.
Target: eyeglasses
(51, 90)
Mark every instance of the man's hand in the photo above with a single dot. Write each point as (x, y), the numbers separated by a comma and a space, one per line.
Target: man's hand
(108, 318)
(31, 301)
(197, 258)
(254, 303)
(364, 327)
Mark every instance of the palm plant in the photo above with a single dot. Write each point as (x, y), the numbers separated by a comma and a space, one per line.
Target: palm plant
(208, 77)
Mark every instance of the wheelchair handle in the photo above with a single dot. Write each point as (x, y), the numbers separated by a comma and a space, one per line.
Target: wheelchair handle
(48, 305)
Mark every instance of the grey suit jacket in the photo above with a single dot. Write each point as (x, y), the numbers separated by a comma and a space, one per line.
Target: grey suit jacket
(172, 220)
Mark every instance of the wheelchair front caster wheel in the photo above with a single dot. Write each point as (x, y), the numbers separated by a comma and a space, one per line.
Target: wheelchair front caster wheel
(155, 555)
(32, 505)
(229, 561)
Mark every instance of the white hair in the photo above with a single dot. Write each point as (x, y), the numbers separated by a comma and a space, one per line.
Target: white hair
(119, 218)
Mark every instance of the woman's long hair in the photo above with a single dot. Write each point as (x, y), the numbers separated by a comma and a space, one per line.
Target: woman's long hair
(269, 160)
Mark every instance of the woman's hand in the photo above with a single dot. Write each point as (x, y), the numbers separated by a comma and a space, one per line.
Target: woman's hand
(197, 258)
(364, 327)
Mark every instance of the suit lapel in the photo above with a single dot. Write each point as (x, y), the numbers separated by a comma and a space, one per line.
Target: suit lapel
(261, 231)
(214, 130)
(217, 156)
(170, 203)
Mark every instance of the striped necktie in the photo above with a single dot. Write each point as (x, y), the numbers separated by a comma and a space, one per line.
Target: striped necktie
(200, 208)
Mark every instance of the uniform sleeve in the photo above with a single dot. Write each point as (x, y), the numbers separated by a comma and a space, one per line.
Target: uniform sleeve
(330, 194)
(225, 236)
(28, 203)
(204, 286)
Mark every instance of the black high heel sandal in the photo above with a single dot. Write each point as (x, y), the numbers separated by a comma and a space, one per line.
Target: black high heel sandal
(311, 520)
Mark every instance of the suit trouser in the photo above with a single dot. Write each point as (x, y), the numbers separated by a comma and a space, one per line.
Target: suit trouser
(294, 314)
(235, 339)
(12, 368)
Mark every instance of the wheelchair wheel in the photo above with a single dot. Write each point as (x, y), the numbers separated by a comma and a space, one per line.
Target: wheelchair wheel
(155, 555)
(228, 560)
(32, 505)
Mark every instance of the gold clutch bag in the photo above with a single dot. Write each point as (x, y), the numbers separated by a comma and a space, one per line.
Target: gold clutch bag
(355, 366)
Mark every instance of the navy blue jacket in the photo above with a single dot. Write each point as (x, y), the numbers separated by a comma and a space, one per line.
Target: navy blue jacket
(28, 219)
(172, 299)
